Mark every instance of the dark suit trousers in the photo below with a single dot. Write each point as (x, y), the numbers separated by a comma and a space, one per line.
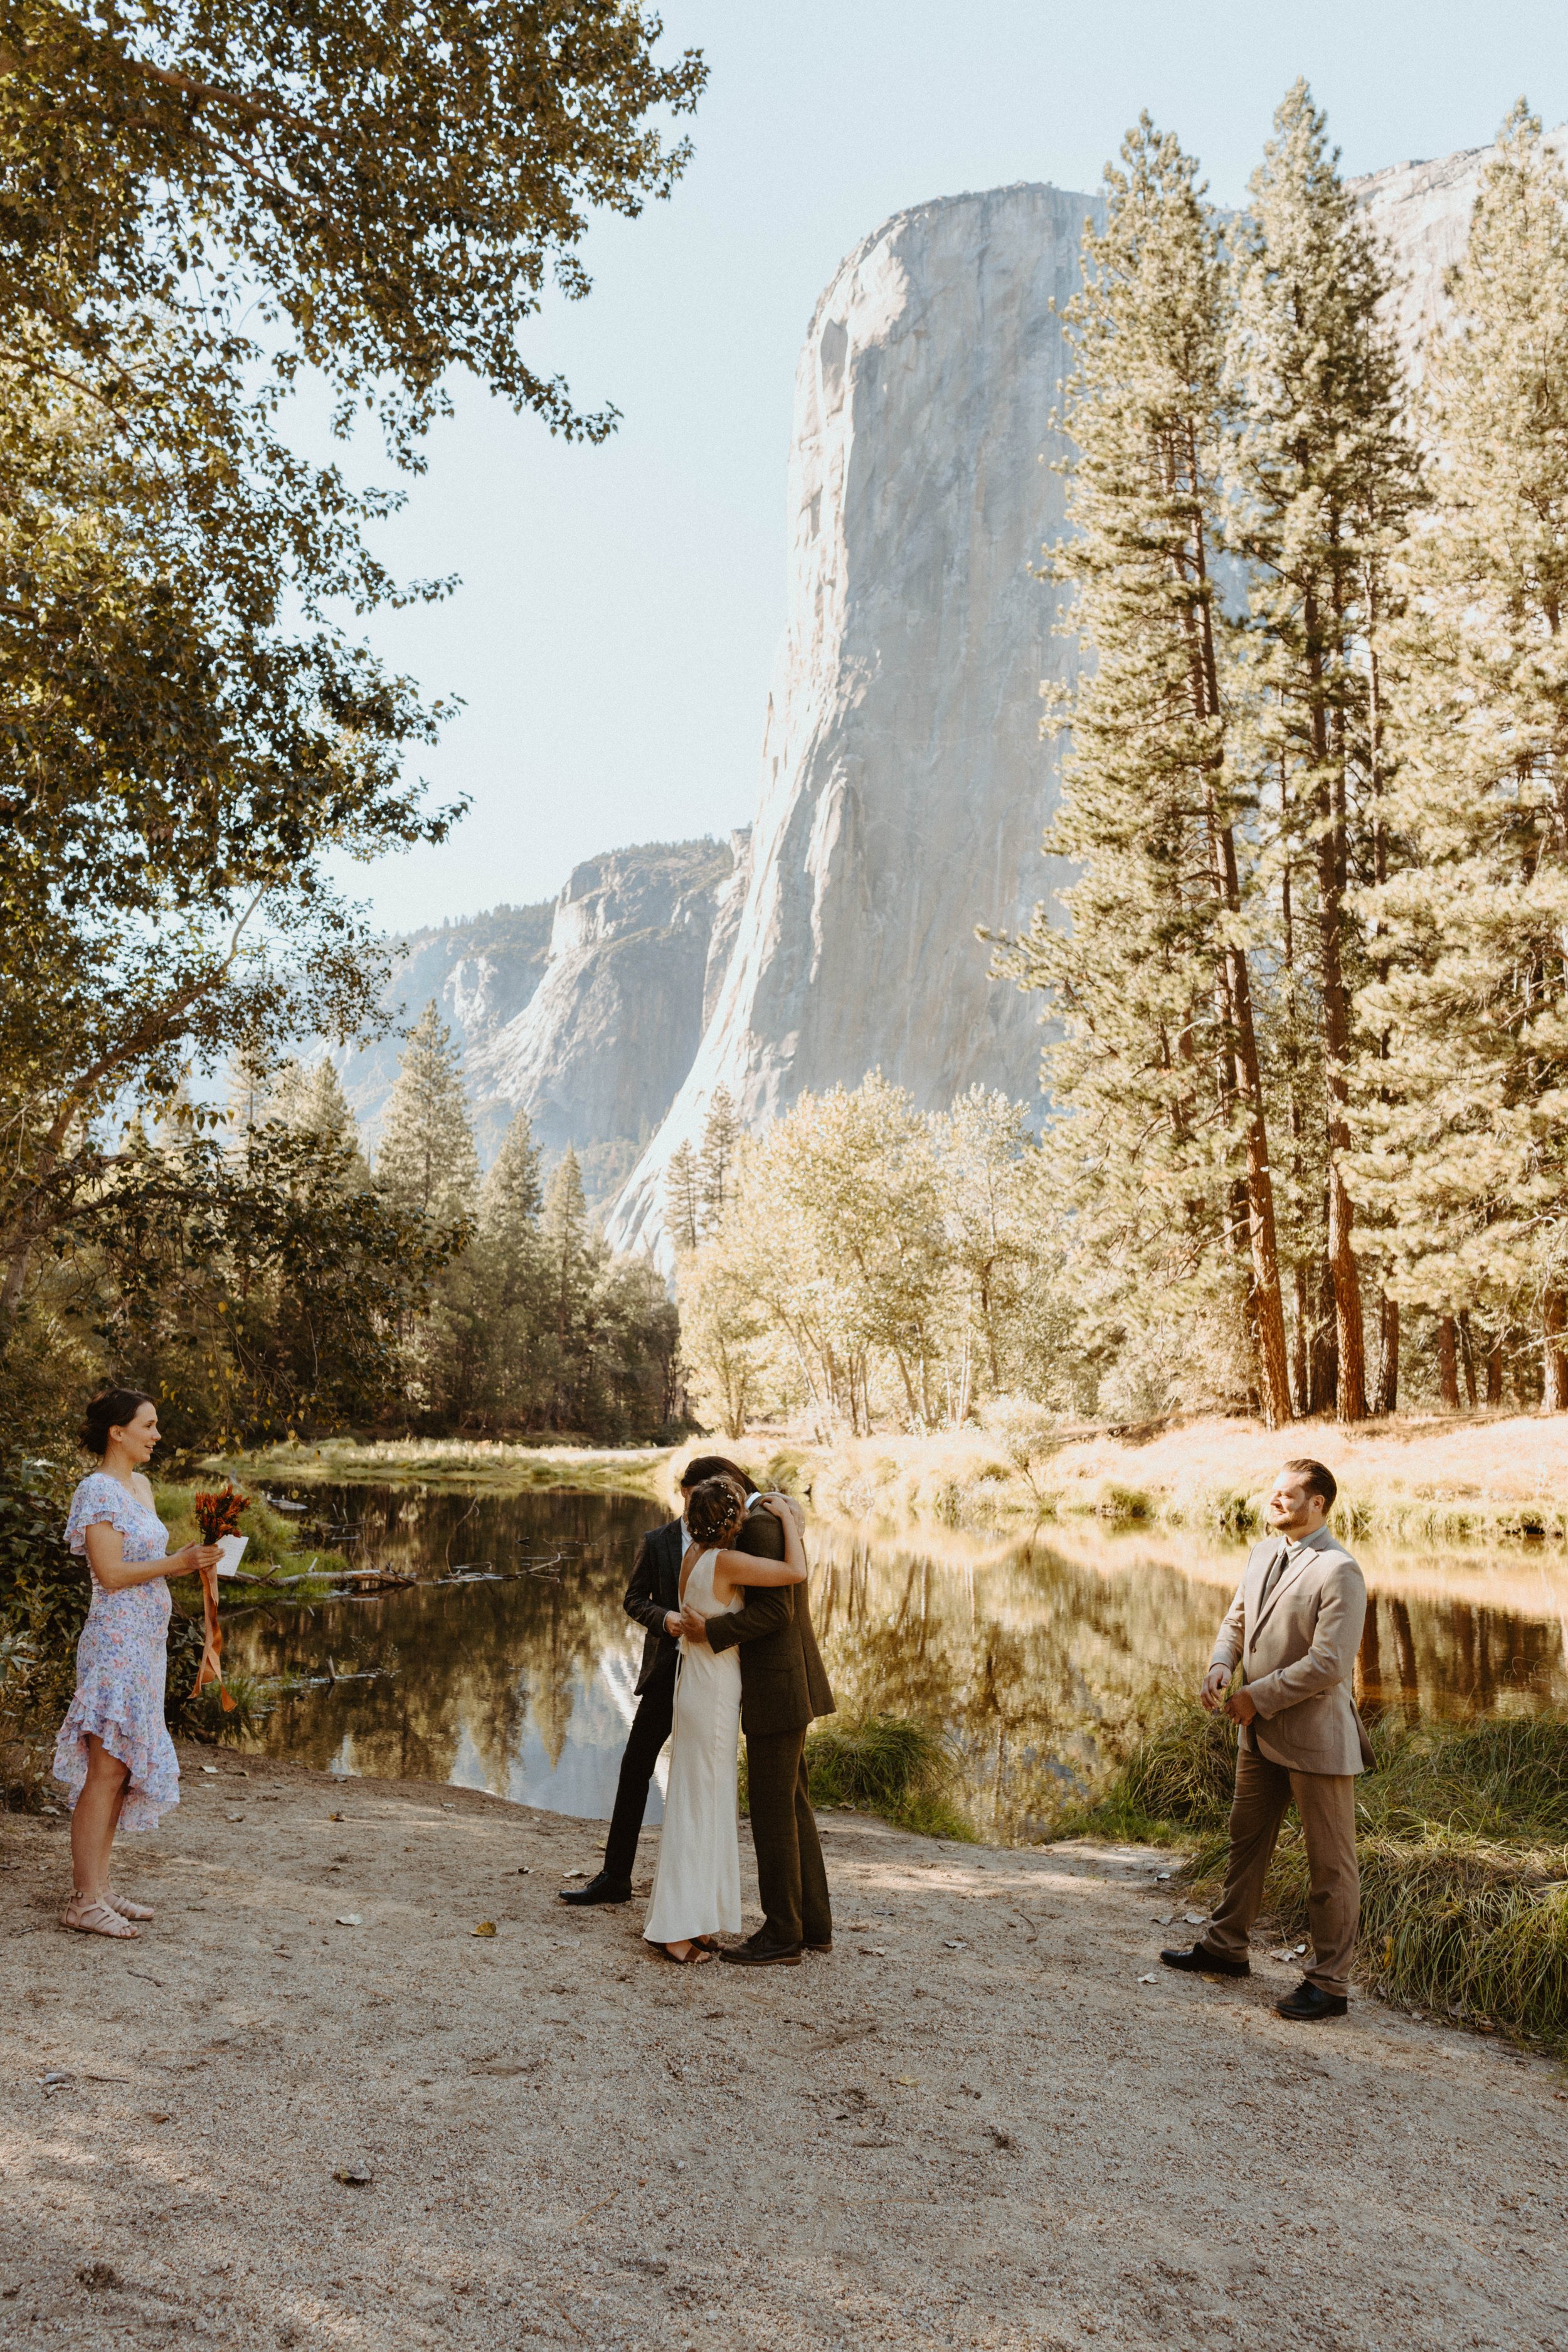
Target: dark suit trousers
(791, 1878)
(650, 1730)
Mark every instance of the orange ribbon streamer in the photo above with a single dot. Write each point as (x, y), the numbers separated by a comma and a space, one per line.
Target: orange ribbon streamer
(211, 1667)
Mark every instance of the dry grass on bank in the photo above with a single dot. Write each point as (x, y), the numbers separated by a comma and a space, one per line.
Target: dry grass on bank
(1462, 1833)
(1439, 1477)
(457, 1462)
(1434, 1479)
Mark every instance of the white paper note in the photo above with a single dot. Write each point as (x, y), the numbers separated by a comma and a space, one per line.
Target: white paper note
(233, 1550)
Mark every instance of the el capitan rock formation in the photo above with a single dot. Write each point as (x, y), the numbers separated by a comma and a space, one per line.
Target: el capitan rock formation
(905, 787)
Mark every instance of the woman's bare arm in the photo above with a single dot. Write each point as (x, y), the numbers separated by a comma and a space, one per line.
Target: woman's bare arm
(106, 1558)
(745, 1567)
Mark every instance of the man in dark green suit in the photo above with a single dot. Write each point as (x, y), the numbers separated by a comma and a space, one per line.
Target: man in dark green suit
(783, 1689)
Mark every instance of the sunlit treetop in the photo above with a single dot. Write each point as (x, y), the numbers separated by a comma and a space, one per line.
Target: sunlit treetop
(401, 179)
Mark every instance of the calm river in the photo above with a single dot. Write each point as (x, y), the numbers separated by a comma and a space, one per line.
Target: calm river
(1029, 1654)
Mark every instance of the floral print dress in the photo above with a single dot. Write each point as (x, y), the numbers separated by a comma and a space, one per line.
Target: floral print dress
(121, 1662)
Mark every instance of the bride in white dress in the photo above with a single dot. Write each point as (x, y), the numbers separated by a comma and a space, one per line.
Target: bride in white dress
(696, 1887)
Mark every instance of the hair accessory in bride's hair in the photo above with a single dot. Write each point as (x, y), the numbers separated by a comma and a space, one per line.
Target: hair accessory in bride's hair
(714, 1510)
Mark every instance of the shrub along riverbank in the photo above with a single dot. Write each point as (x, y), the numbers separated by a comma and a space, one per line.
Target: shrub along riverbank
(1463, 1839)
(888, 1765)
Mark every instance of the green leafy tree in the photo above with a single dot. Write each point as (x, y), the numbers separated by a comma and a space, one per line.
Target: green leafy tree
(724, 1332)
(176, 769)
(402, 184)
(1465, 1073)
(1009, 1323)
(197, 202)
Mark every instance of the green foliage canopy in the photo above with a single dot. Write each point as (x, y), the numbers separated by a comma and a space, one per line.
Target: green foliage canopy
(402, 178)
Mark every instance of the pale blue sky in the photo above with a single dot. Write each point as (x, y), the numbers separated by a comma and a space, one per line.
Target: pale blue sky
(616, 629)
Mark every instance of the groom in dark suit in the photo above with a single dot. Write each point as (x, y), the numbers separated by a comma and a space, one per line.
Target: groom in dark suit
(653, 1598)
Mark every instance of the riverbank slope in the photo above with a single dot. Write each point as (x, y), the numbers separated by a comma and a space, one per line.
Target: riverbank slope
(975, 2124)
(1415, 1478)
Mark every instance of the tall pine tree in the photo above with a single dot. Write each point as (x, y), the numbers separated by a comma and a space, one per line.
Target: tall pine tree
(569, 1262)
(1327, 477)
(716, 1161)
(1468, 1096)
(426, 1160)
(683, 1198)
(309, 1100)
(1159, 1060)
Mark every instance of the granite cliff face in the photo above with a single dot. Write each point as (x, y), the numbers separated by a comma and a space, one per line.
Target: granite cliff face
(586, 1010)
(600, 1050)
(904, 786)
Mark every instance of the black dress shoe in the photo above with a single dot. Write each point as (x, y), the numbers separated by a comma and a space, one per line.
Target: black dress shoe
(827, 1946)
(1203, 1962)
(1308, 2002)
(603, 1889)
(754, 1954)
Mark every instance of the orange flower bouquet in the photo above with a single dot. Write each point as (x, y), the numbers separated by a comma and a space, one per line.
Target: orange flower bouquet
(217, 1515)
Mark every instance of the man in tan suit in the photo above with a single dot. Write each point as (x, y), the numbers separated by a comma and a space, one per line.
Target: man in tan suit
(1294, 1627)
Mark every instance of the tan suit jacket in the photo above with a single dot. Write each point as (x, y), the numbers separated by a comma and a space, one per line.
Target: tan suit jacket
(1297, 1653)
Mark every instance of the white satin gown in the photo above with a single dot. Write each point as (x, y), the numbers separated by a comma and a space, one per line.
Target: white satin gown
(696, 1887)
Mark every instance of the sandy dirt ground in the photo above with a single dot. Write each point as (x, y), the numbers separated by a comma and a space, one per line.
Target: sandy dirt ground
(977, 2123)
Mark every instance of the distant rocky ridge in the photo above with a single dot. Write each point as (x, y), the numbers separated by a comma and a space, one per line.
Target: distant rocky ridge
(586, 1010)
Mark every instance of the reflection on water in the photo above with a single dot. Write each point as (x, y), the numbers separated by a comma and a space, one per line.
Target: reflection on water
(1035, 1657)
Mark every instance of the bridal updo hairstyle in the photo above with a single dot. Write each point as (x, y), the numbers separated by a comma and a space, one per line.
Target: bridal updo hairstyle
(115, 1408)
(714, 1510)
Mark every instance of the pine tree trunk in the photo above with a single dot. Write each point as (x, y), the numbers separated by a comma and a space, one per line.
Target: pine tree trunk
(1267, 1303)
(1388, 1358)
(1350, 1402)
(1494, 1371)
(1447, 1364)
(1299, 1377)
(1468, 1356)
(1554, 1320)
(1323, 1357)
(1267, 1306)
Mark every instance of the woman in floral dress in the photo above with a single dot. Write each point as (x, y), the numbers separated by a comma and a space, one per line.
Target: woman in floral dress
(115, 1753)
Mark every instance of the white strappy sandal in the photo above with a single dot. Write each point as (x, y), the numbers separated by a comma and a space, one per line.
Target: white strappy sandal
(127, 1909)
(96, 1918)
